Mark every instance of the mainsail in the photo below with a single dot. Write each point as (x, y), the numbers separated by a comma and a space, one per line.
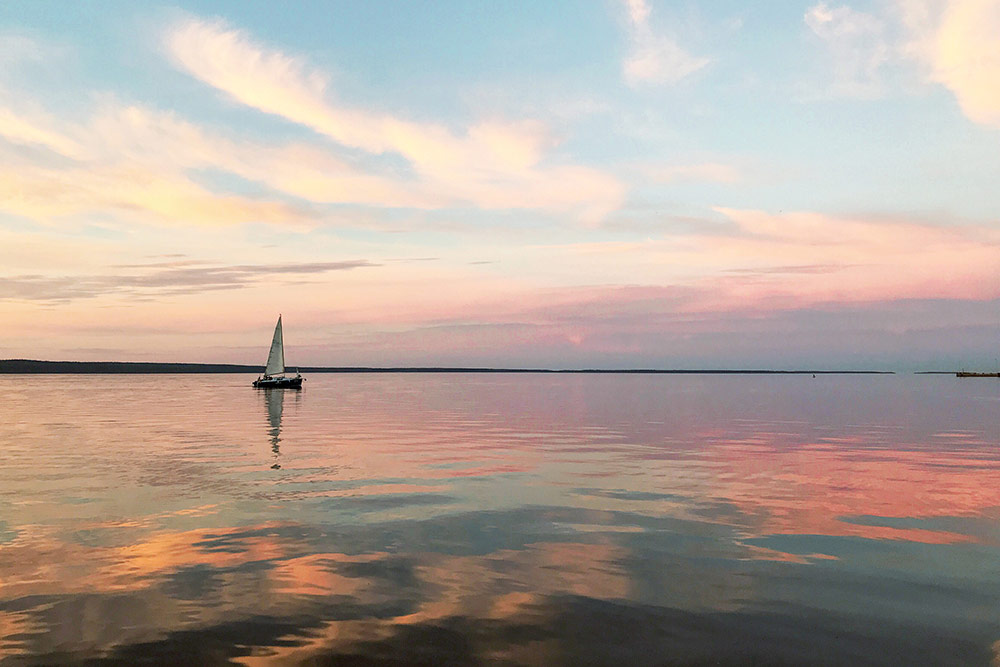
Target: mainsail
(276, 357)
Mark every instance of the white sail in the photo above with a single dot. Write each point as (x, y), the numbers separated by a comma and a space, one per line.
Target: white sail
(276, 357)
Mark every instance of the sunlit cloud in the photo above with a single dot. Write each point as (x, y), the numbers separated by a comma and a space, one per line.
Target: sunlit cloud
(152, 137)
(953, 42)
(654, 58)
(957, 41)
(492, 164)
(106, 169)
(45, 194)
(37, 129)
(136, 162)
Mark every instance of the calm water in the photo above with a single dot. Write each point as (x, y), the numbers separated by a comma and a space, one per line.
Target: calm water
(500, 519)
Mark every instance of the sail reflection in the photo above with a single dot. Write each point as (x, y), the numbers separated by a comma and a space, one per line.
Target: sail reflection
(275, 401)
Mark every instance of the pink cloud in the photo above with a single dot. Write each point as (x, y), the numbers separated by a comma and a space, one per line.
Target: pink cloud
(862, 260)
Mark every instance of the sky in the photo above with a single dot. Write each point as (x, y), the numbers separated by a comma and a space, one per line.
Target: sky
(605, 184)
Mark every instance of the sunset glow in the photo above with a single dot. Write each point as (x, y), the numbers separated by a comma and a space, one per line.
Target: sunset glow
(614, 184)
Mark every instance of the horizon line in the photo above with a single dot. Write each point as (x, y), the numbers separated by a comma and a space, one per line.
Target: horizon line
(41, 367)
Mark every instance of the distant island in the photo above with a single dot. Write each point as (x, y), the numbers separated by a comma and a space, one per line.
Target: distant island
(32, 366)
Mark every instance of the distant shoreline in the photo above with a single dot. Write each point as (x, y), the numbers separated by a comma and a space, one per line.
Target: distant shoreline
(35, 367)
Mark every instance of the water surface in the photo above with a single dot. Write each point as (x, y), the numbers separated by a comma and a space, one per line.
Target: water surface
(500, 519)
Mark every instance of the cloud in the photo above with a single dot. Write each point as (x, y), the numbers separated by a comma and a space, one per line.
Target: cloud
(40, 193)
(755, 263)
(872, 259)
(654, 58)
(952, 42)
(957, 41)
(492, 164)
(858, 45)
(19, 47)
(137, 163)
(150, 137)
(166, 278)
(109, 166)
(36, 128)
(791, 269)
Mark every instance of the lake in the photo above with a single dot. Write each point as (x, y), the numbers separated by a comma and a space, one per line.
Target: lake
(510, 519)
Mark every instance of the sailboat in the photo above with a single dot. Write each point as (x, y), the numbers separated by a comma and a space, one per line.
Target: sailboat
(274, 371)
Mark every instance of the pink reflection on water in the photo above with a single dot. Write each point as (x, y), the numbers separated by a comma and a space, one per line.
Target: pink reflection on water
(812, 488)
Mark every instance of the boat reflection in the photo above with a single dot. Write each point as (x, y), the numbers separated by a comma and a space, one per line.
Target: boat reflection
(274, 399)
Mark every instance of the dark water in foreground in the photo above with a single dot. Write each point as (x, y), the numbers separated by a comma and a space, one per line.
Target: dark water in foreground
(500, 519)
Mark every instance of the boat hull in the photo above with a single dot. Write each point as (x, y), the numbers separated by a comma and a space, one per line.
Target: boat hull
(278, 383)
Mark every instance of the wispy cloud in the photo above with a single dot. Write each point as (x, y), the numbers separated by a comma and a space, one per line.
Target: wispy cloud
(858, 46)
(17, 46)
(142, 164)
(494, 165)
(41, 193)
(128, 163)
(137, 160)
(654, 57)
(148, 136)
(34, 127)
(165, 278)
(792, 269)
